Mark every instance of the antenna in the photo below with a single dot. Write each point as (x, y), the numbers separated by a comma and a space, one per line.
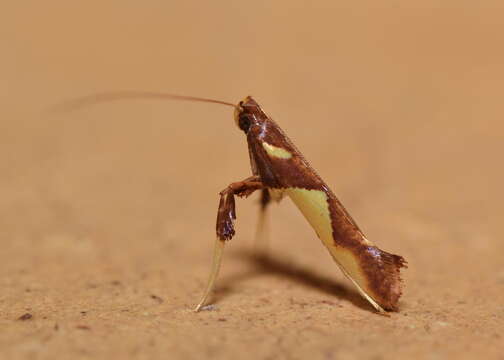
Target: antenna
(98, 98)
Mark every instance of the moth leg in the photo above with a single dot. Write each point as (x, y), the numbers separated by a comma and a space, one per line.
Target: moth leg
(217, 257)
(226, 215)
(262, 230)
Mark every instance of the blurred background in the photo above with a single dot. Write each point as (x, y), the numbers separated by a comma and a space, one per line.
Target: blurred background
(107, 213)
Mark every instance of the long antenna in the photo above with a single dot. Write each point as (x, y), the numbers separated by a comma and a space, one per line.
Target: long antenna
(122, 95)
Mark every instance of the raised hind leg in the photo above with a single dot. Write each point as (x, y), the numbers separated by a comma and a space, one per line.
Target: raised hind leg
(226, 215)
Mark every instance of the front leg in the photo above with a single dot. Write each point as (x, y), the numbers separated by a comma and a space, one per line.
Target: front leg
(226, 215)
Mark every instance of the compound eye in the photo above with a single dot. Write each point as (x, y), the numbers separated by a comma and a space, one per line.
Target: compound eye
(244, 122)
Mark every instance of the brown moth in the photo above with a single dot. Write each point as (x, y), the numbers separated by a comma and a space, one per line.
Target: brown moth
(278, 170)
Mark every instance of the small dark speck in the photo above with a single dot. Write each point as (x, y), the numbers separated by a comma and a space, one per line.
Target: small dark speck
(28, 290)
(328, 302)
(115, 282)
(222, 319)
(83, 327)
(25, 317)
(83, 313)
(56, 327)
(157, 298)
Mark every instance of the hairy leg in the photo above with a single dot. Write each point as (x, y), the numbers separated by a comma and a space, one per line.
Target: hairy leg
(226, 215)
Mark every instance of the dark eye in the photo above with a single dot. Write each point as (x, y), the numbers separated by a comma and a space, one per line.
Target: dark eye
(244, 123)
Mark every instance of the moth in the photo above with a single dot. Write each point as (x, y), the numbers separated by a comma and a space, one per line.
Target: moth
(280, 170)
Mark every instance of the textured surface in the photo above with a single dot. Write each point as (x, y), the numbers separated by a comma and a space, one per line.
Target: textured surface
(107, 214)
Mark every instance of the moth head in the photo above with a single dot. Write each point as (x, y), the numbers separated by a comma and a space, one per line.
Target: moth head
(246, 114)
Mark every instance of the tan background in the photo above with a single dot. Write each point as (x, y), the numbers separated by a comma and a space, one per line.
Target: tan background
(107, 214)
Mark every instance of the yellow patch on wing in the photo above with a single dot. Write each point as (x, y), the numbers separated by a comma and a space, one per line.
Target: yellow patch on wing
(275, 151)
(313, 204)
(315, 208)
